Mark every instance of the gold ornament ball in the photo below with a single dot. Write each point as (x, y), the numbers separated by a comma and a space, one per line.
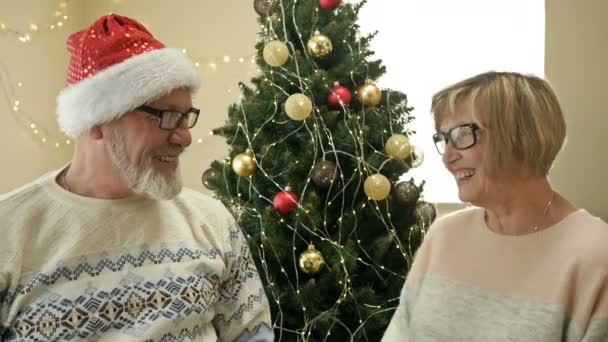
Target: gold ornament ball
(369, 94)
(398, 146)
(298, 107)
(319, 45)
(276, 53)
(377, 187)
(311, 260)
(244, 164)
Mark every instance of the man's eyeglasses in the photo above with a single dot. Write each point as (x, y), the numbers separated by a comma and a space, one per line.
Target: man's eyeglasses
(462, 137)
(171, 119)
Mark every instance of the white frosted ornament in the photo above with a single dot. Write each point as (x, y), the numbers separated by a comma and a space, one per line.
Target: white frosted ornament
(298, 107)
(398, 146)
(276, 53)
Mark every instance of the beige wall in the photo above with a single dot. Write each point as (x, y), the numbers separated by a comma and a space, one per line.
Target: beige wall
(577, 65)
(576, 55)
(40, 66)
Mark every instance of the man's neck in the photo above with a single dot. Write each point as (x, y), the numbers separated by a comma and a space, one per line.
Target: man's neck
(94, 175)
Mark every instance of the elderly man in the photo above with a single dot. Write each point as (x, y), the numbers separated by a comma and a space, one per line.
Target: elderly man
(110, 247)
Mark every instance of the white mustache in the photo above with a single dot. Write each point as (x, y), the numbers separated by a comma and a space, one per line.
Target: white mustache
(168, 151)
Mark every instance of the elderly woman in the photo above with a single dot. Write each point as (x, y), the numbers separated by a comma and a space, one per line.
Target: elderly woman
(522, 264)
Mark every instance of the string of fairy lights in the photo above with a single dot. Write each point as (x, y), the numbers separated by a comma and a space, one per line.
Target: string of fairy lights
(320, 132)
(13, 88)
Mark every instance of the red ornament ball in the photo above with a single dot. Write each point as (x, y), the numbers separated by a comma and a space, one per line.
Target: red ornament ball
(285, 202)
(339, 93)
(329, 4)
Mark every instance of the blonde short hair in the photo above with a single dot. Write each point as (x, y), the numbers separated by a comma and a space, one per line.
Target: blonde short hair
(525, 122)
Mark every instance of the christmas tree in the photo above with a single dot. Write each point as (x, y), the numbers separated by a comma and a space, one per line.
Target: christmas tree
(316, 154)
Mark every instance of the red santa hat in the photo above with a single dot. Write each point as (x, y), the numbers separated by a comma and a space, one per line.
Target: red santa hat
(115, 66)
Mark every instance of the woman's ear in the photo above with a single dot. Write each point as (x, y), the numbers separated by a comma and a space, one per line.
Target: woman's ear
(483, 124)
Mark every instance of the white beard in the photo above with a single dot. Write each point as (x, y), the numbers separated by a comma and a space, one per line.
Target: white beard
(144, 179)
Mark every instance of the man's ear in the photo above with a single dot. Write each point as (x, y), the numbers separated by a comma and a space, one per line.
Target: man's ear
(96, 133)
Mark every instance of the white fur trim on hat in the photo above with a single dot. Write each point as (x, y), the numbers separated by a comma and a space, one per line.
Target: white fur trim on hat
(121, 87)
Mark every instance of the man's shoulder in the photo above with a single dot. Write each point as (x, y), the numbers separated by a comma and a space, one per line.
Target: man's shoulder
(197, 198)
(24, 193)
(202, 203)
(215, 218)
(16, 208)
(195, 195)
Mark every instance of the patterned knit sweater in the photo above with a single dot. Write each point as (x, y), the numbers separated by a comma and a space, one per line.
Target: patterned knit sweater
(134, 269)
(470, 284)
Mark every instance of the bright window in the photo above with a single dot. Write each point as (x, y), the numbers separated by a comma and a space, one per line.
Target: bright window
(429, 44)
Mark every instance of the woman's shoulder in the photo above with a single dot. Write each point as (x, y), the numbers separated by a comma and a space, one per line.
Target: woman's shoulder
(467, 215)
(582, 216)
(456, 221)
(585, 225)
(585, 237)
